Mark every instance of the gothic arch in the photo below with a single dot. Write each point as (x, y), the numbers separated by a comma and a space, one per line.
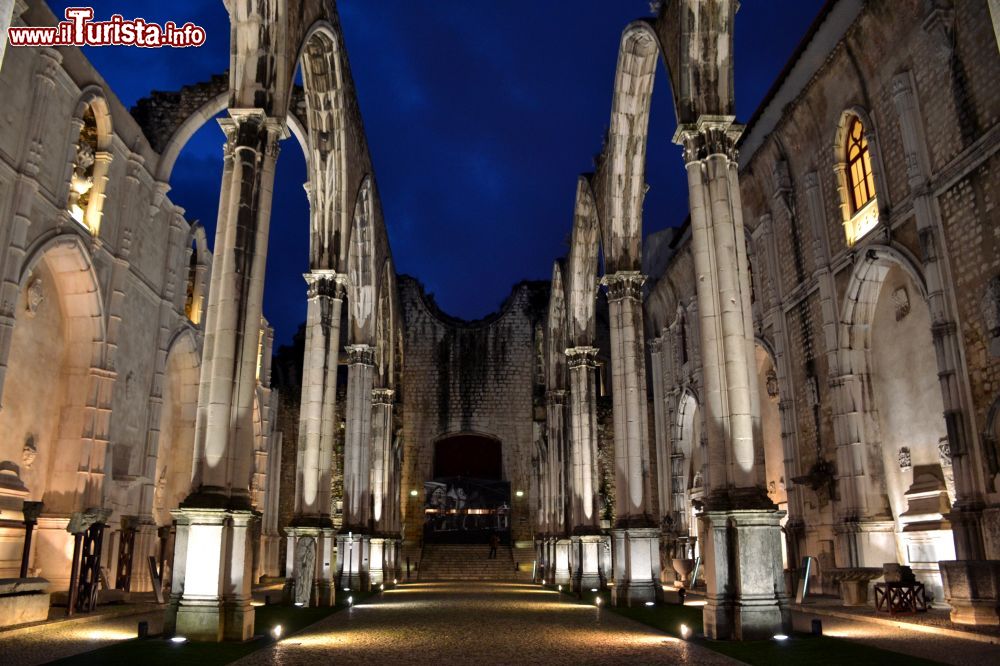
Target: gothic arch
(178, 137)
(322, 76)
(581, 279)
(93, 97)
(624, 157)
(555, 333)
(385, 328)
(361, 267)
(175, 446)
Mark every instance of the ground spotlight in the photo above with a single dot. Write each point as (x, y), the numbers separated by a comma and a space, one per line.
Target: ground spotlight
(780, 637)
(178, 639)
(597, 601)
(685, 631)
(350, 601)
(593, 589)
(276, 631)
(381, 587)
(394, 581)
(560, 588)
(650, 603)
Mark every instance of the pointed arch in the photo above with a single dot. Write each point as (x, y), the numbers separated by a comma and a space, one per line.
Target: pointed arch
(624, 158)
(323, 81)
(874, 209)
(361, 267)
(581, 279)
(556, 332)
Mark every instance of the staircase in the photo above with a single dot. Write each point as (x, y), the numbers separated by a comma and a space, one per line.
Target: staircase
(466, 562)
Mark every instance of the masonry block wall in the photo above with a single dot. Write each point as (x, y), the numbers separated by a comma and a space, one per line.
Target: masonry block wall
(470, 377)
(937, 241)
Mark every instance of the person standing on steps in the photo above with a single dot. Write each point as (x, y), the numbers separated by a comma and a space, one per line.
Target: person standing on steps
(494, 542)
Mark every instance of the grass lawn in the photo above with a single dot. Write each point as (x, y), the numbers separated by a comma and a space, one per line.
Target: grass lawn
(156, 651)
(800, 648)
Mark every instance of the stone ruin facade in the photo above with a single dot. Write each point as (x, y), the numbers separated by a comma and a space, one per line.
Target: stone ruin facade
(807, 368)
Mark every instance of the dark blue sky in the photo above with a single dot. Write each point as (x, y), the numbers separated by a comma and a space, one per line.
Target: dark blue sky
(479, 116)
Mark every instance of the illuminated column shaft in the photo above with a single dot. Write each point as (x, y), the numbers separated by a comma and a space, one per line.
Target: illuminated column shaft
(552, 477)
(628, 377)
(214, 522)
(584, 502)
(723, 290)
(381, 471)
(358, 443)
(319, 395)
(224, 428)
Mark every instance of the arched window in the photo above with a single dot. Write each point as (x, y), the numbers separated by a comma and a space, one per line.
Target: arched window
(82, 179)
(859, 166)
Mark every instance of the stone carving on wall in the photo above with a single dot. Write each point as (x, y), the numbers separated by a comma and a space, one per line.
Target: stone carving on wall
(905, 460)
(772, 385)
(33, 297)
(29, 452)
(944, 452)
(901, 301)
(305, 562)
(989, 308)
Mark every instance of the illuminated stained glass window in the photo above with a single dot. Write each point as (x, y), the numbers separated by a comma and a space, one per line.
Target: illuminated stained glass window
(859, 166)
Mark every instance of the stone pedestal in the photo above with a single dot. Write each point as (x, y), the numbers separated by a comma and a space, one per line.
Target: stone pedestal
(745, 583)
(587, 558)
(309, 557)
(353, 557)
(23, 600)
(636, 561)
(213, 559)
(972, 589)
(561, 570)
(378, 547)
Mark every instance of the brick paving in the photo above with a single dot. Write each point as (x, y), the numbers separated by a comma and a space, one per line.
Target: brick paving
(479, 623)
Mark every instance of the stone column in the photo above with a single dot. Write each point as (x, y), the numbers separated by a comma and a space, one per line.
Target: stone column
(354, 539)
(585, 527)
(317, 431)
(382, 399)
(742, 547)
(213, 522)
(636, 535)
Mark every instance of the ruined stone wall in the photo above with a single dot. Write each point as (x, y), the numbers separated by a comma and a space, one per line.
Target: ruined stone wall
(470, 377)
(954, 63)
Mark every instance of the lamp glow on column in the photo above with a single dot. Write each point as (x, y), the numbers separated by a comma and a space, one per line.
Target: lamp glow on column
(519, 493)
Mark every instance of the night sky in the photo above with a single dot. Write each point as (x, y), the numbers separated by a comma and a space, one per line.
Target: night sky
(479, 116)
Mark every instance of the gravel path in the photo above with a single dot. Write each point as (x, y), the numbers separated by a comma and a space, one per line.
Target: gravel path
(45, 643)
(479, 623)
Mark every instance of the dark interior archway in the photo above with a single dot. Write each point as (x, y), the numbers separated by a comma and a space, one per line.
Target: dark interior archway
(467, 501)
(470, 456)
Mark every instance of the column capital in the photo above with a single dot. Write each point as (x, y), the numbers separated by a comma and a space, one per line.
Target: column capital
(625, 284)
(360, 354)
(582, 357)
(710, 135)
(655, 345)
(325, 283)
(382, 396)
(555, 397)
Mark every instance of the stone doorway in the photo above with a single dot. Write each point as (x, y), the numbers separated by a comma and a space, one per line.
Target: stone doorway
(467, 500)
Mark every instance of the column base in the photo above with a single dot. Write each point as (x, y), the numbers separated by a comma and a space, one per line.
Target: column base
(636, 563)
(353, 562)
(310, 557)
(743, 570)
(587, 555)
(560, 574)
(216, 550)
(378, 549)
(972, 589)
